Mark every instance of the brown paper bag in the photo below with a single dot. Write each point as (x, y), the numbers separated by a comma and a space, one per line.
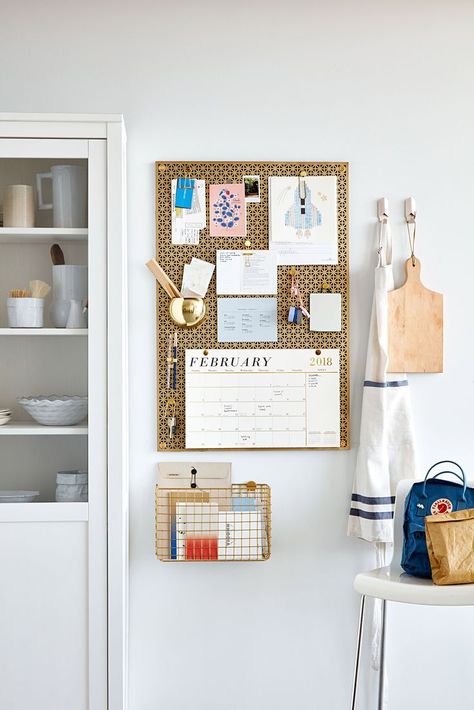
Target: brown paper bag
(450, 542)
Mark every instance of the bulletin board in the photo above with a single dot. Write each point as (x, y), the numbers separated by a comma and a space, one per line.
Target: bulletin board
(173, 257)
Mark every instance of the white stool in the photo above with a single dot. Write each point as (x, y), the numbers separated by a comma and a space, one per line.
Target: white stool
(391, 584)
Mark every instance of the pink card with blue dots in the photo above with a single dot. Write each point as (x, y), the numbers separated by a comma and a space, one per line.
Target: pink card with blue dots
(227, 210)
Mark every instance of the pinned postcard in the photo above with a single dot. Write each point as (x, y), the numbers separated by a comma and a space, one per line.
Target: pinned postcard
(252, 188)
(246, 272)
(247, 320)
(227, 210)
(303, 219)
(196, 278)
(186, 223)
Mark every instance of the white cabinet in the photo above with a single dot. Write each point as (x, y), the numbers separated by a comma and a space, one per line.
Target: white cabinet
(43, 615)
(63, 597)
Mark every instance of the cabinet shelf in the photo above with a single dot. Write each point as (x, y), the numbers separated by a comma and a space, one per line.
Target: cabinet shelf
(32, 429)
(43, 331)
(40, 235)
(43, 512)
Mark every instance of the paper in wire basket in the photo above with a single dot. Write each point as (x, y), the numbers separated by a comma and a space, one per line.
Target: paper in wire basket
(214, 524)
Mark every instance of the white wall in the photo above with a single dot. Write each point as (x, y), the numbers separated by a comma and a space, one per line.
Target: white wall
(389, 87)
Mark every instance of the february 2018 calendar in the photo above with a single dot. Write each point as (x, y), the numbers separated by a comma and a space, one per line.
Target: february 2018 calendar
(262, 399)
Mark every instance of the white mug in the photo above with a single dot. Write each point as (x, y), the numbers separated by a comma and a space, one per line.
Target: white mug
(69, 203)
(18, 206)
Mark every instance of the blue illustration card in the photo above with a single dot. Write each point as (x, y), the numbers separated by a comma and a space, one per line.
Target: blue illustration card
(184, 193)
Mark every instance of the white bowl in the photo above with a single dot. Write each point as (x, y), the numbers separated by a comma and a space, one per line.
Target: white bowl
(55, 410)
(4, 419)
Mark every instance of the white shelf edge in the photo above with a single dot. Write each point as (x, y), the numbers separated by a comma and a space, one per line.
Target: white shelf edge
(62, 117)
(43, 512)
(15, 428)
(40, 235)
(43, 331)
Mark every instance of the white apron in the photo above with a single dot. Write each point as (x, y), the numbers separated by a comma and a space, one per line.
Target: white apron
(387, 447)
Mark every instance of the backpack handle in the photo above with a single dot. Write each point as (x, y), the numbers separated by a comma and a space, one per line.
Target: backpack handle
(461, 477)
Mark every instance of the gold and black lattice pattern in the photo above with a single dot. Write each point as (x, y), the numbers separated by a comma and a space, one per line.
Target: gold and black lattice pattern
(230, 524)
(311, 278)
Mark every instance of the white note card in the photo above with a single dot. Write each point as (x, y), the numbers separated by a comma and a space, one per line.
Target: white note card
(241, 272)
(325, 312)
(238, 399)
(186, 224)
(196, 278)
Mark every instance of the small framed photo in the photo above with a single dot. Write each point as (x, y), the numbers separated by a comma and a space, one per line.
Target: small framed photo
(252, 188)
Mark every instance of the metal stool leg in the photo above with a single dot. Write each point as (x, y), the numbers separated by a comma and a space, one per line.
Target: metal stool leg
(382, 656)
(358, 649)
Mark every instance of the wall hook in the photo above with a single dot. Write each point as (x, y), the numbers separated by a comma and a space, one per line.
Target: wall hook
(382, 209)
(410, 210)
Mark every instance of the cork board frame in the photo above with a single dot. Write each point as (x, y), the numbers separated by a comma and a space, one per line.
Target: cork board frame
(173, 257)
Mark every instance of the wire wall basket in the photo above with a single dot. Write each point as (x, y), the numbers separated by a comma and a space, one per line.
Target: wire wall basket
(230, 524)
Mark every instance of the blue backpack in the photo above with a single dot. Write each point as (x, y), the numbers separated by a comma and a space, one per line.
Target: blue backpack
(430, 497)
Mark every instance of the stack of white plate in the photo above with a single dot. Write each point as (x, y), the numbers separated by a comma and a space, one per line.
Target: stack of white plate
(18, 496)
(5, 416)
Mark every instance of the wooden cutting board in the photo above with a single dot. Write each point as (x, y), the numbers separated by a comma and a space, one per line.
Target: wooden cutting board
(415, 325)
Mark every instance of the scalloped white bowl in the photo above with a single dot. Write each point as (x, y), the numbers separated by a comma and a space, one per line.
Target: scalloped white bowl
(55, 410)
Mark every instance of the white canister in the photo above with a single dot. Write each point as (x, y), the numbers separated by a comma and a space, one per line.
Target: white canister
(71, 486)
(69, 203)
(69, 282)
(18, 206)
(25, 312)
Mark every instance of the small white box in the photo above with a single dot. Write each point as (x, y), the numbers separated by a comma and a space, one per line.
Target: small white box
(325, 312)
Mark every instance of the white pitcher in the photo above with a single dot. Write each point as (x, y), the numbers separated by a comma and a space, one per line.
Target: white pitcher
(69, 203)
(76, 317)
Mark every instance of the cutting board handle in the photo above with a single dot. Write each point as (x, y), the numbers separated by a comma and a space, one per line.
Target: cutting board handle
(413, 270)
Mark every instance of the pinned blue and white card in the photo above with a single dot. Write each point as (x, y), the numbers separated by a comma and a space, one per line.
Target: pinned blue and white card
(184, 193)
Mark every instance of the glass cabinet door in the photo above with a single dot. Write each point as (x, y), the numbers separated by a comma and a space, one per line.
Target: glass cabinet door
(53, 231)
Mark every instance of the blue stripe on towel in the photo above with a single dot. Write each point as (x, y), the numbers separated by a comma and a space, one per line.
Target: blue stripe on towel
(374, 500)
(371, 516)
(393, 383)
